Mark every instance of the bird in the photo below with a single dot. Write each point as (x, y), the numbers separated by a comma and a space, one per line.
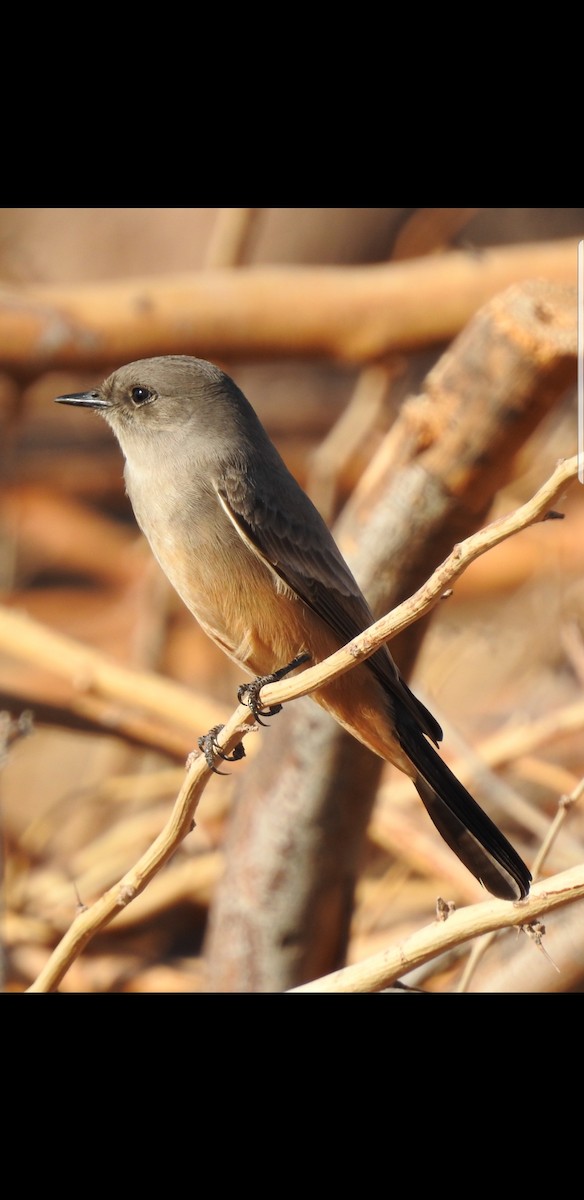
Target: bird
(257, 566)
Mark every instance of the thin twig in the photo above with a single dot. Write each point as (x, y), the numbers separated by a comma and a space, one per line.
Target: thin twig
(565, 804)
(179, 824)
(480, 948)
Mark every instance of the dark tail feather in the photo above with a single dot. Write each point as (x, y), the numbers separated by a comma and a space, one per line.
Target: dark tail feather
(468, 831)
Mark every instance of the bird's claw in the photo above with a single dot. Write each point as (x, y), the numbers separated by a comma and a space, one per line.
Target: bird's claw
(210, 747)
(249, 693)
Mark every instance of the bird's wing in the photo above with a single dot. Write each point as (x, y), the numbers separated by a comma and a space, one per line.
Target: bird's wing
(285, 530)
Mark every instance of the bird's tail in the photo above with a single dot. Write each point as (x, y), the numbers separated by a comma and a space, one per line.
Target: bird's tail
(468, 831)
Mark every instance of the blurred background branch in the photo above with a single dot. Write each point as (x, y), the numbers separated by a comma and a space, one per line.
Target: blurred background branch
(350, 315)
(339, 326)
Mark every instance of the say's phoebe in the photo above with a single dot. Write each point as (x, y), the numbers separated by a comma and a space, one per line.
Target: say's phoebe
(256, 565)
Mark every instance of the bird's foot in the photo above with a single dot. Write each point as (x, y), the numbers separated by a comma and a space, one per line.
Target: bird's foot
(249, 693)
(210, 747)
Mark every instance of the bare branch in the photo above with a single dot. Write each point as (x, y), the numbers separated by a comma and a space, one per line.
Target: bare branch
(180, 823)
(382, 969)
(351, 315)
(97, 683)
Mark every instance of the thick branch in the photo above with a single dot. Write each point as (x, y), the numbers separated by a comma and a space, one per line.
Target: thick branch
(354, 315)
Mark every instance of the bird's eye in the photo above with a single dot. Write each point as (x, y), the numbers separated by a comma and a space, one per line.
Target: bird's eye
(141, 395)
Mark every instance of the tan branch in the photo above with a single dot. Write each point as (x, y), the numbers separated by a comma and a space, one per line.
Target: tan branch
(384, 968)
(116, 899)
(230, 237)
(480, 948)
(91, 675)
(565, 805)
(354, 315)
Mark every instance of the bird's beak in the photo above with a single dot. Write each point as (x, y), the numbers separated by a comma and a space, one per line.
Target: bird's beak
(84, 400)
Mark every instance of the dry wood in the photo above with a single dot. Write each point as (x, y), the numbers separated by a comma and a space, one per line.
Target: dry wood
(351, 315)
(230, 238)
(92, 678)
(57, 530)
(383, 969)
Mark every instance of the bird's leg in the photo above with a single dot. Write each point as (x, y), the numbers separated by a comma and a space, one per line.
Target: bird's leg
(209, 746)
(249, 693)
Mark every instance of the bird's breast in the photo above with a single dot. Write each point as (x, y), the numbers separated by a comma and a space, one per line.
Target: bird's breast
(233, 595)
